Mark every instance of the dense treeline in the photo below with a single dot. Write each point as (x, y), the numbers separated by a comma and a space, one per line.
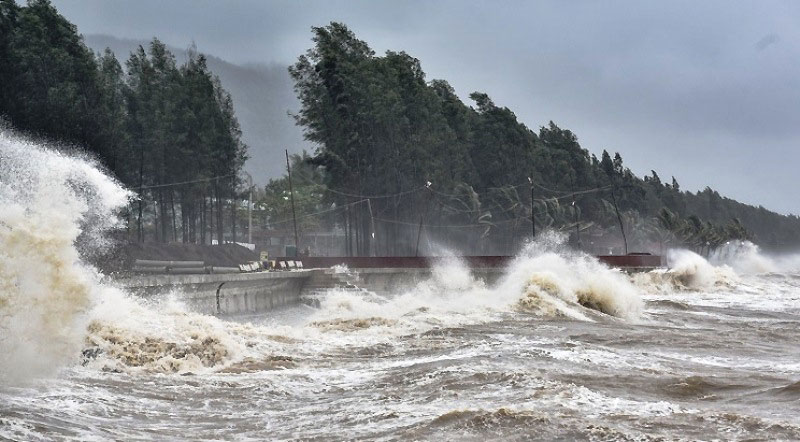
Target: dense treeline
(152, 123)
(399, 158)
(430, 160)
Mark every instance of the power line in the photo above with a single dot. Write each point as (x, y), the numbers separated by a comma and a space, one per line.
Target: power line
(454, 226)
(334, 209)
(354, 195)
(202, 180)
(374, 197)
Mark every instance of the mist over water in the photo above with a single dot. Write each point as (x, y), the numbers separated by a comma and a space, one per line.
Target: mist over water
(560, 347)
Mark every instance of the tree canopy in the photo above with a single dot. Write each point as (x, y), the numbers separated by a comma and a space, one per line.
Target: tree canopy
(382, 129)
(153, 123)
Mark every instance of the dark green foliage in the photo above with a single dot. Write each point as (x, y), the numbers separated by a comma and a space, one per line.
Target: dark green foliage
(153, 124)
(381, 129)
(51, 77)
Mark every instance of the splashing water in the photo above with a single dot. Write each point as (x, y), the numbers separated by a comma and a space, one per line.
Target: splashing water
(545, 280)
(744, 257)
(558, 347)
(554, 279)
(53, 304)
(695, 272)
(51, 202)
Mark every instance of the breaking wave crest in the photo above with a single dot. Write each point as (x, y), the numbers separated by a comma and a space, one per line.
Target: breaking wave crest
(690, 271)
(126, 335)
(53, 205)
(57, 209)
(725, 269)
(553, 280)
(545, 280)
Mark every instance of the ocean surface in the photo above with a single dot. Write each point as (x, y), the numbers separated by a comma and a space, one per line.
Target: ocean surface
(560, 348)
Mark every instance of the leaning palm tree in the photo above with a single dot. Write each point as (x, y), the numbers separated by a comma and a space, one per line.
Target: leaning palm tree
(642, 229)
(464, 206)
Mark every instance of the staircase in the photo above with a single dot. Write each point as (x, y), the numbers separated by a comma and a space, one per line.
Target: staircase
(323, 280)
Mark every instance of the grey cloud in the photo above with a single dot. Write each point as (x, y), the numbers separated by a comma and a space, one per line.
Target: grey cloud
(674, 86)
(766, 41)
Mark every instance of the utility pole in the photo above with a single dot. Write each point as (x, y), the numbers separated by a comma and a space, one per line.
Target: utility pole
(533, 220)
(291, 197)
(372, 246)
(422, 217)
(249, 210)
(619, 217)
(575, 219)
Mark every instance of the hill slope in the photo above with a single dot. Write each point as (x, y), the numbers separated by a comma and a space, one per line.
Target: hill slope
(262, 96)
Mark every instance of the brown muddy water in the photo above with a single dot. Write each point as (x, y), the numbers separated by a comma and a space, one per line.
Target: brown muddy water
(561, 348)
(717, 362)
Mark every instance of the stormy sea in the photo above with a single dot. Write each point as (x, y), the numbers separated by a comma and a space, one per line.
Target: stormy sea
(560, 347)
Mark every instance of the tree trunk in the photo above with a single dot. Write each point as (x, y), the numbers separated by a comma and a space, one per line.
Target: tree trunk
(172, 208)
(156, 219)
(162, 212)
(211, 218)
(346, 217)
(203, 220)
(141, 194)
(357, 214)
(184, 222)
(233, 218)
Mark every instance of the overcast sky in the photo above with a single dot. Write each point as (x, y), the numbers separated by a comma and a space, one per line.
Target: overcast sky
(706, 91)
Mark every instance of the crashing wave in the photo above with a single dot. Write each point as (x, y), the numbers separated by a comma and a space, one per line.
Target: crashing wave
(53, 204)
(687, 271)
(553, 281)
(54, 307)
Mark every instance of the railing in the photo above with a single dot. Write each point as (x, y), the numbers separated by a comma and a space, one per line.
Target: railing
(366, 262)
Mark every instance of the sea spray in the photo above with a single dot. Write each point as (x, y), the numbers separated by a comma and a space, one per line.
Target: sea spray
(449, 296)
(50, 203)
(55, 307)
(686, 271)
(546, 279)
(555, 280)
(128, 334)
(744, 257)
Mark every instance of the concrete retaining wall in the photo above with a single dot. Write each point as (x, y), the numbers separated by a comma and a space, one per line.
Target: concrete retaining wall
(224, 294)
(396, 280)
(233, 294)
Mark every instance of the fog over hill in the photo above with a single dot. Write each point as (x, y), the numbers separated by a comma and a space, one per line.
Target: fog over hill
(262, 96)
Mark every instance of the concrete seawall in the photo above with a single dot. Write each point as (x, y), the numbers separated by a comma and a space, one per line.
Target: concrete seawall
(247, 293)
(384, 281)
(226, 293)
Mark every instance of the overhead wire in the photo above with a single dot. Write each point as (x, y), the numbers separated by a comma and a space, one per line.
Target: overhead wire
(354, 195)
(181, 183)
(333, 209)
(363, 198)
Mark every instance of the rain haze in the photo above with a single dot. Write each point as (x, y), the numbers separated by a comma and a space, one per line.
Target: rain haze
(703, 92)
(446, 261)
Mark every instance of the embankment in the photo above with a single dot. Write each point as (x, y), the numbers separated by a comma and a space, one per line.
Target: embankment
(223, 294)
(233, 294)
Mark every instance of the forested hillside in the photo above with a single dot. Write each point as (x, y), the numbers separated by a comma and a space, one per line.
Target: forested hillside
(384, 130)
(262, 96)
(167, 131)
(400, 165)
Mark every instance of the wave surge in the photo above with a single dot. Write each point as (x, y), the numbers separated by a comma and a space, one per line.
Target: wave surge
(52, 203)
